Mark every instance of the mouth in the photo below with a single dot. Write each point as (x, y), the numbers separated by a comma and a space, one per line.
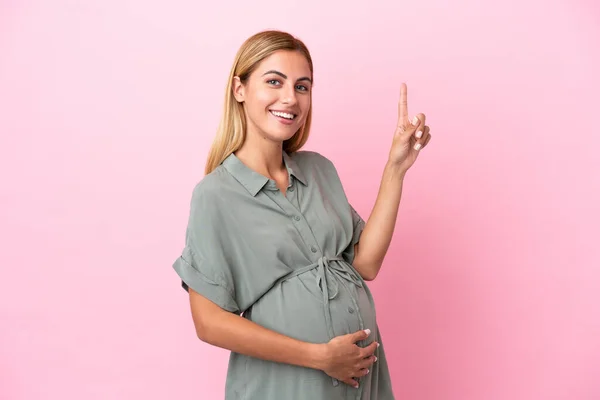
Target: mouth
(284, 115)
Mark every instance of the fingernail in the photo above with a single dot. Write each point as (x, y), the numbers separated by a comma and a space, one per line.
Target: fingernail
(367, 371)
(375, 359)
(417, 146)
(415, 120)
(378, 344)
(368, 332)
(419, 134)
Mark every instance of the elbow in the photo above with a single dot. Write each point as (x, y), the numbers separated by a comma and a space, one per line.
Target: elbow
(368, 271)
(204, 325)
(205, 316)
(208, 326)
(369, 276)
(202, 336)
(202, 332)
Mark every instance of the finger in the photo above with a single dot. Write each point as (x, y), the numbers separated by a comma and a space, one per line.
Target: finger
(369, 350)
(421, 132)
(351, 382)
(427, 140)
(368, 362)
(411, 127)
(360, 335)
(419, 121)
(362, 372)
(422, 135)
(403, 106)
(406, 131)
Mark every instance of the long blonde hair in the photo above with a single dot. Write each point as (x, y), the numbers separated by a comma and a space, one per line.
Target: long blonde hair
(231, 132)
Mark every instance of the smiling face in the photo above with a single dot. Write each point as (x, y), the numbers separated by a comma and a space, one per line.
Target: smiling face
(276, 96)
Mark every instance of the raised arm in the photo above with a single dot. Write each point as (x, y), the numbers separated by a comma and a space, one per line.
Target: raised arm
(409, 139)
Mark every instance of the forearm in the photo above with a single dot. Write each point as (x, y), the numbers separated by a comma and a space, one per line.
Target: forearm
(377, 234)
(240, 335)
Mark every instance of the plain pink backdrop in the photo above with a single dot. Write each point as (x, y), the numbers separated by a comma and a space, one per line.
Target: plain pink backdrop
(491, 288)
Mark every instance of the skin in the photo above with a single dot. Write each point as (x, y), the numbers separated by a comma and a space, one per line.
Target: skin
(262, 151)
(265, 91)
(409, 139)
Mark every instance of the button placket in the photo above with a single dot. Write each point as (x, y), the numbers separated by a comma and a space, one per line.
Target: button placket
(298, 220)
(292, 195)
(301, 224)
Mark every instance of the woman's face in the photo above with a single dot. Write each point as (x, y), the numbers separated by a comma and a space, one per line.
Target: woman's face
(276, 96)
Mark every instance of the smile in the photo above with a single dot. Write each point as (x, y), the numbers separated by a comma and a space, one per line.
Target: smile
(283, 115)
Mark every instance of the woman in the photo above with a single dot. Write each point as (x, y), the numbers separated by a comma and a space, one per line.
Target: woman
(273, 263)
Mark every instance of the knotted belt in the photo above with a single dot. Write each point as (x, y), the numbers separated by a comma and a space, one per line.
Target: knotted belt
(328, 268)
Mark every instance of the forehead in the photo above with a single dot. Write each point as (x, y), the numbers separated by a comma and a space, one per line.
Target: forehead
(288, 62)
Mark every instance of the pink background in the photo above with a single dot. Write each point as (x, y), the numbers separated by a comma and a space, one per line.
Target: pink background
(491, 289)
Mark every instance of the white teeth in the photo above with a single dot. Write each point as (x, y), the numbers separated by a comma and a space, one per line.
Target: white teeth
(283, 115)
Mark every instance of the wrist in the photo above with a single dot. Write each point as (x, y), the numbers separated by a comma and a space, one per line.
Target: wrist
(317, 356)
(395, 170)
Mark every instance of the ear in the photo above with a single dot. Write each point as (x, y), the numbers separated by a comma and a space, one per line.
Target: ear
(238, 89)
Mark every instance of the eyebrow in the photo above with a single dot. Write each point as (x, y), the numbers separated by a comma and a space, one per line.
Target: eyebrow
(304, 78)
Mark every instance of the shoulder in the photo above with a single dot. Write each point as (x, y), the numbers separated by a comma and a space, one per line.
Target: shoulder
(318, 168)
(207, 192)
(308, 159)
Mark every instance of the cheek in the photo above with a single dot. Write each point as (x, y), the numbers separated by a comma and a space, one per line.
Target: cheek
(262, 100)
(305, 105)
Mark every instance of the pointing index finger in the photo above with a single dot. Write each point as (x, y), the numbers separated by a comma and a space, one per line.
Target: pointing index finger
(403, 106)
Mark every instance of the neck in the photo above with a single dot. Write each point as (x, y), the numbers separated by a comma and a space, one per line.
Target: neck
(262, 156)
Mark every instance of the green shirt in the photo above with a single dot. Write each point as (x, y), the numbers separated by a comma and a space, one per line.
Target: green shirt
(285, 262)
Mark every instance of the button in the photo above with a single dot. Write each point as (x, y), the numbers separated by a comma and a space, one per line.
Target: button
(313, 249)
(297, 218)
(291, 189)
(351, 310)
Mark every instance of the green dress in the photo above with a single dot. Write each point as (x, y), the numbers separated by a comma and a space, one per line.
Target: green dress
(285, 262)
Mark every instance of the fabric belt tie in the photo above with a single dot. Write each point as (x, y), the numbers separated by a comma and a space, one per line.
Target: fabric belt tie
(328, 269)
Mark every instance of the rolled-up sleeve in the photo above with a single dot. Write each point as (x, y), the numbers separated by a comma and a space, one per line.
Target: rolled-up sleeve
(203, 264)
(358, 224)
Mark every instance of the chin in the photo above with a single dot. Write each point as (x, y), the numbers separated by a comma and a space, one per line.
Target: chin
(281, 135)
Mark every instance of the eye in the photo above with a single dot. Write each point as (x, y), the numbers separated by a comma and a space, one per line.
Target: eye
(273, 81)
(302, 88)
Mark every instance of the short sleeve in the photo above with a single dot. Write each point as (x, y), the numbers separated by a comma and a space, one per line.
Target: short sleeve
(203, 264)
(358, 224)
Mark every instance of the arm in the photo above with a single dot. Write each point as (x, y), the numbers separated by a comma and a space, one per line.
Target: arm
(409, 140)
(209, 279)
(340, 358)
(377, 234)
(233, 332)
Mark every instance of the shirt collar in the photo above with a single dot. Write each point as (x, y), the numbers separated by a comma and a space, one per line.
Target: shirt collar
(252, 180)
(293, 168)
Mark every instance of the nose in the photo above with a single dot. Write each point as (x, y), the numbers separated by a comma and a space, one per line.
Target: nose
(289, 95)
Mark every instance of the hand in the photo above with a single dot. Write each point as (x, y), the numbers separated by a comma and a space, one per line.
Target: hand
(344, 360)
(406, 145)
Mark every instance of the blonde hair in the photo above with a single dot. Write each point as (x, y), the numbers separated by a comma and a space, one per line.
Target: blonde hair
(231, 132)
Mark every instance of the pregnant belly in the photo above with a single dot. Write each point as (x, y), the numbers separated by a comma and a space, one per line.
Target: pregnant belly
(296, 308)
